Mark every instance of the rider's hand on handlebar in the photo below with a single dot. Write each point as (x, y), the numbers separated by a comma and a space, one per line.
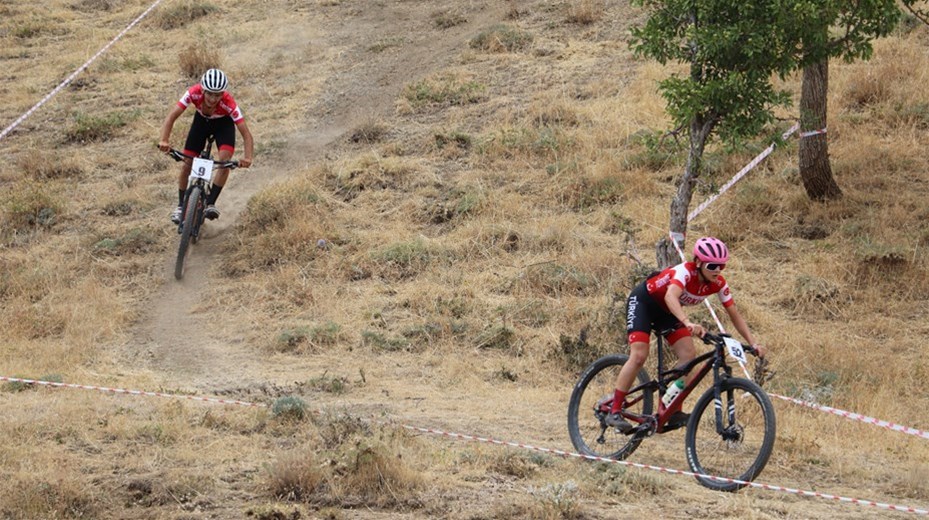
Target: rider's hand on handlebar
(761, 350)
(245, 162)
(694, 328)
(164, 146)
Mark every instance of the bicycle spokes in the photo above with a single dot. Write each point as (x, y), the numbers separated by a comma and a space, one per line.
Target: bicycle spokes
(735, 440)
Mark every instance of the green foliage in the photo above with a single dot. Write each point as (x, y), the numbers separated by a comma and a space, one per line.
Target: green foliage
(31, 206)
(289, 408)
(732, 48)
(501, 38)
(89, 128)
(496, 338)
(381, 343)
(444, 89)
(329, 384)
(134, 241)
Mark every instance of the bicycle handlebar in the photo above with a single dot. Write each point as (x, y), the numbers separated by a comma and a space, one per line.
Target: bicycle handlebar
(710, 338)
(180, 156)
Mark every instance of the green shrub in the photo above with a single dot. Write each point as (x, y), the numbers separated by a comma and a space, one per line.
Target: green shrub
(135, 241)
(88, 128)
(289, 408)
(445, 89)
(31, 206)
(501, 38)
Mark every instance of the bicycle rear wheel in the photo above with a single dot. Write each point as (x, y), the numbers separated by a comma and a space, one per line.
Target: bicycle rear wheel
(589, 405)
(190, 220)
(741, 451)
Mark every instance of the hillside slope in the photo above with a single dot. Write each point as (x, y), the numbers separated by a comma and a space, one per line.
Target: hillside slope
(479, 174)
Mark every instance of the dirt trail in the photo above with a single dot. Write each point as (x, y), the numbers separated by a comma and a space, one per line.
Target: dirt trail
(175, 338)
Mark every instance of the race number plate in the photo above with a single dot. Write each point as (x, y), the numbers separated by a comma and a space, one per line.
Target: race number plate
(736, 350)
(202, 169)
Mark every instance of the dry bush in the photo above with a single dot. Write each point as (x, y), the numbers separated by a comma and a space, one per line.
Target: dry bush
(38, 165)
(546, 144)
(63, 496)
(93, 128)
(369, 474)
(448, 19)
(514, 464)
(585, 12)
(31, 206)
(181, 13)
(369, 132)
(501, 38)
(371, 172)
(444, 89)
(197, 59)
(405, 259)
(95, 5)
(298, 477)
(281, 226)
(587, 192)
(553, 112)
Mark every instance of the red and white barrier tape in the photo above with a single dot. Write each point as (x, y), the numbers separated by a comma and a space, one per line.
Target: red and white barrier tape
(738, 176)
(812, 133)
(130, 392)
(73, 75)
(560, 453)
(856, 417)
(758, 485)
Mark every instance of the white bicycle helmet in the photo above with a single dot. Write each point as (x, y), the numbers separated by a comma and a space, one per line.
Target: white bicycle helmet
(214, 81)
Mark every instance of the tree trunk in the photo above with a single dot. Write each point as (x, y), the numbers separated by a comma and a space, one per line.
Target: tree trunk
(700, 129)
(815, 169)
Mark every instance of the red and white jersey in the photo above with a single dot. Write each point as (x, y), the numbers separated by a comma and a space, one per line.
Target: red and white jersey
(687, 277)
(225, 107)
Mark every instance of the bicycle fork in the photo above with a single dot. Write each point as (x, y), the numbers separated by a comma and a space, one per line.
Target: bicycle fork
(728, 429)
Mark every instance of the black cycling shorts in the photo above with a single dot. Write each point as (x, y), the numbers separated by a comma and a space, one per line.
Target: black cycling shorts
(222, 129)
(644, 314)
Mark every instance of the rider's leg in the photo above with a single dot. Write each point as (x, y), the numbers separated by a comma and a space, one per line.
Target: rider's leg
(638, 354)
(182, 176)
(683, 346)
(219, 180)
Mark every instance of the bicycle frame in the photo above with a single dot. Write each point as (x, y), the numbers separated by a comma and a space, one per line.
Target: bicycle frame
(714, 361)
(199, 185)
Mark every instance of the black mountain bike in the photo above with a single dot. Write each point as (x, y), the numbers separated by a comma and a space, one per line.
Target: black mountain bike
(199, 184)
(731, 430)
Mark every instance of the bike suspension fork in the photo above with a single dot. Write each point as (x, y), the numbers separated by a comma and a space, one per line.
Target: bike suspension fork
(721, 427)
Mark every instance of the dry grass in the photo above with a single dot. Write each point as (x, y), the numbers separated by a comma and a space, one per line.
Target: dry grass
(474, 219)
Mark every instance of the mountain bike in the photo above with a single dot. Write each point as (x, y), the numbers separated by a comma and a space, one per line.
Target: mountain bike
(731, 439)
(199, 183)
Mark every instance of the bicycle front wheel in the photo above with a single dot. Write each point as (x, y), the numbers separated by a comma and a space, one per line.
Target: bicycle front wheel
(190, 219)
(589, 407)
(736, 447)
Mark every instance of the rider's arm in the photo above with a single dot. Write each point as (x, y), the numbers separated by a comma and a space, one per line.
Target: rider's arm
(743, 329)
(672, 299)
(249, 144)
(168, 125)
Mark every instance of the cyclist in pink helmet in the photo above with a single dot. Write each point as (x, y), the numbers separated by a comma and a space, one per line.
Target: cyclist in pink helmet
(658, 304)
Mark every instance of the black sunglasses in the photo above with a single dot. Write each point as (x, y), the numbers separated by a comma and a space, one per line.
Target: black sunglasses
(714, 267)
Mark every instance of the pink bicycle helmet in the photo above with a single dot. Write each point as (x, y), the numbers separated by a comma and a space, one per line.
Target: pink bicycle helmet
(711, 250)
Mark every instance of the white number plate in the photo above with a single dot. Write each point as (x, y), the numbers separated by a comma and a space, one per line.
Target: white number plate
(736, 350)
(202, 169)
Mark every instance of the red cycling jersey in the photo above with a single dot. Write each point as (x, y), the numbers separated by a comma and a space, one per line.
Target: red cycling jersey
(225, 107)
(686, 277)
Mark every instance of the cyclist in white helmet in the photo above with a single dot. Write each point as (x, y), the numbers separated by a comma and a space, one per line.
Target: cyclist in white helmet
(658, 304)
(217, 115)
